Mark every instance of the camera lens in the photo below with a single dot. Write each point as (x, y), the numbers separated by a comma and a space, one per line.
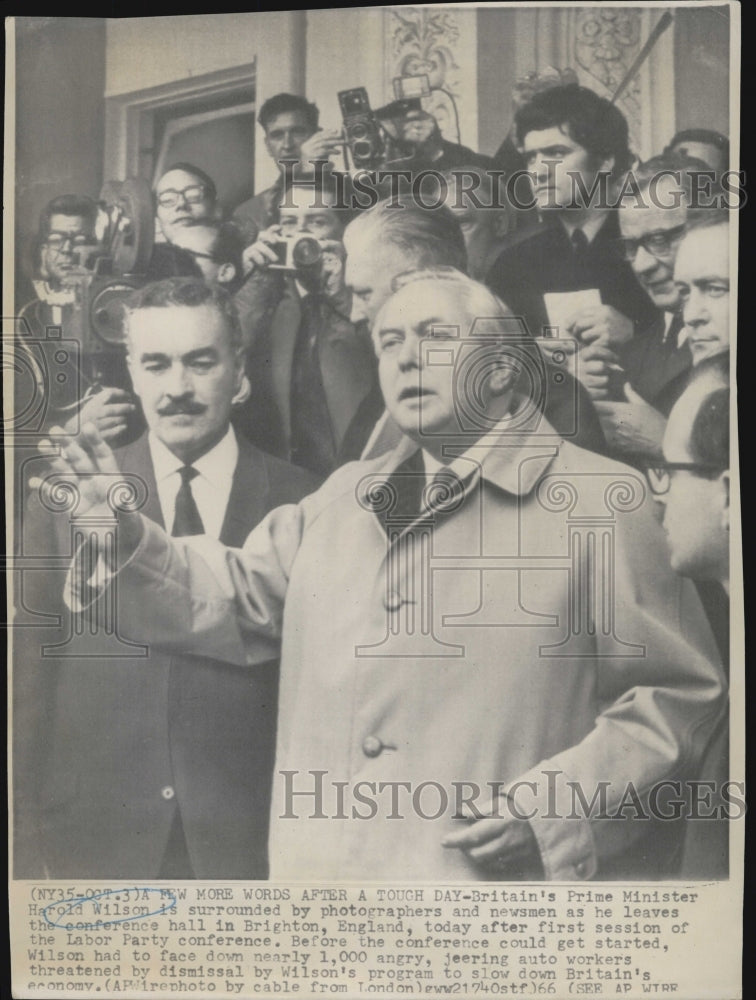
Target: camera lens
(362, 150)
(306, 252)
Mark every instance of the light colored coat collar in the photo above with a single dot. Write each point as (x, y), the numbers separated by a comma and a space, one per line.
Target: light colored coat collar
(512, 460)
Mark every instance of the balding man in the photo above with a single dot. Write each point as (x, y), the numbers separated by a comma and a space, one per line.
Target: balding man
(481, 696)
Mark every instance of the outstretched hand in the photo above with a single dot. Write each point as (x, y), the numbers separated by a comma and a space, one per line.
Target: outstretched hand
(81, 459)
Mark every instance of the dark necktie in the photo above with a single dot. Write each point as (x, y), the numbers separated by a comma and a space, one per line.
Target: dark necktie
(312, 443)
(445, 492)
(579, 241)
(187, 520)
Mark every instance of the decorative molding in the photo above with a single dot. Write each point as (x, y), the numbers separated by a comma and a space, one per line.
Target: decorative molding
(600, 44)
(442, 44)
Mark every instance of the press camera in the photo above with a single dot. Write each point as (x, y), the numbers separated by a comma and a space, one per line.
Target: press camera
(107, 276)
(303, 254)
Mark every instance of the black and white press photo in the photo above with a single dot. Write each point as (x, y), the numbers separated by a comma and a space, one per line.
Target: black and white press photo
(375, 579)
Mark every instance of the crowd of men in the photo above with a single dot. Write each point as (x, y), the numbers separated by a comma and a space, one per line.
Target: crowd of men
(351, 570)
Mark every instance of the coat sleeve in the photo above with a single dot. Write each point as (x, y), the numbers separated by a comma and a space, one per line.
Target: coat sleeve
(197, 596)
(656, 710)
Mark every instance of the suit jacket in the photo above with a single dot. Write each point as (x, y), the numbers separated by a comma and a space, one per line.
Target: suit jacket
(271, 315)
(479, 678)
(656, 367)
(543, 260)
(109, 748)
(258, 212)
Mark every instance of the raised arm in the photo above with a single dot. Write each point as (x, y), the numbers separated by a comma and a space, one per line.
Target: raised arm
(190, 595)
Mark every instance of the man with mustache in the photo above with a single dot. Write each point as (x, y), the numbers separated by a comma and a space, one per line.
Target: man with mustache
(437, 649)
(160, 766)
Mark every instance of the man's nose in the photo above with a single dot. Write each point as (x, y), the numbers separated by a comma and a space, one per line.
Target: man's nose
(542, 166)
(645, 262)
(178, 382)
(695, 311)
(409, 355)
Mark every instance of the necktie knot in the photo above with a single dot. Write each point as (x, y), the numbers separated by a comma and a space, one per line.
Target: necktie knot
(187, 473)
(579, 240)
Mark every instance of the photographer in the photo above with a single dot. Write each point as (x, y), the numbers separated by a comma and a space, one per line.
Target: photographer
(65, 237)
(314, 395)
(291, 131)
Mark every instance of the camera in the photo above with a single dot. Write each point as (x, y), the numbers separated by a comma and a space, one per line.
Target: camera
(361, 128)
(107, 277)
(301, 254)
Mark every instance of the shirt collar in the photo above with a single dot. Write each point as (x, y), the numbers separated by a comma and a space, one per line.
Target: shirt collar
(215, 465)
(511, 458)
(590, 226)
(54, 296)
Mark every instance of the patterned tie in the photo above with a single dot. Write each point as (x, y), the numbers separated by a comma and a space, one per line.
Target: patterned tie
(187, 520)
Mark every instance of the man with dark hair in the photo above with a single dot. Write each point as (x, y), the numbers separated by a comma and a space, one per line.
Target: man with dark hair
(217, 251)
(185, 196)
(66, 234)
(387, 240)
(484, 213)
(290, 123)
(575, 144)
(314, 392)
(692, 484)
(65, 240)
(703, 144)
(158, 767)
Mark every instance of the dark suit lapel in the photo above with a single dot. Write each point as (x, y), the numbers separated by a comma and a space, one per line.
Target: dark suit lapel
(248, 502)
(136, 459)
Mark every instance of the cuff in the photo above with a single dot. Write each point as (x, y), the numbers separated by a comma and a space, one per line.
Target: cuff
(565, 840)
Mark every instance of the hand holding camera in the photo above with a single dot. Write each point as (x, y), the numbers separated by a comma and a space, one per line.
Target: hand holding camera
(322, 145)
(262, 253)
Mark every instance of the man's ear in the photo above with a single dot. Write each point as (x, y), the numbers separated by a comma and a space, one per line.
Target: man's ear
(502, 223)
(226, 273)
(505, 375)
(243, 389)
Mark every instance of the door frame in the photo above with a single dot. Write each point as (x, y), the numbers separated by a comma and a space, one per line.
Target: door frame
(129, 118)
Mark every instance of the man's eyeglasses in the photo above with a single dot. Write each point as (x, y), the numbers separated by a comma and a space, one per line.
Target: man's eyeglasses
(56, 241)
(660, 243)
(192, 195)
(660, 476)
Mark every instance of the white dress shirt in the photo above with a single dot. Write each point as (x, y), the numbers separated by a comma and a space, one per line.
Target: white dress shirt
(211, 489)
